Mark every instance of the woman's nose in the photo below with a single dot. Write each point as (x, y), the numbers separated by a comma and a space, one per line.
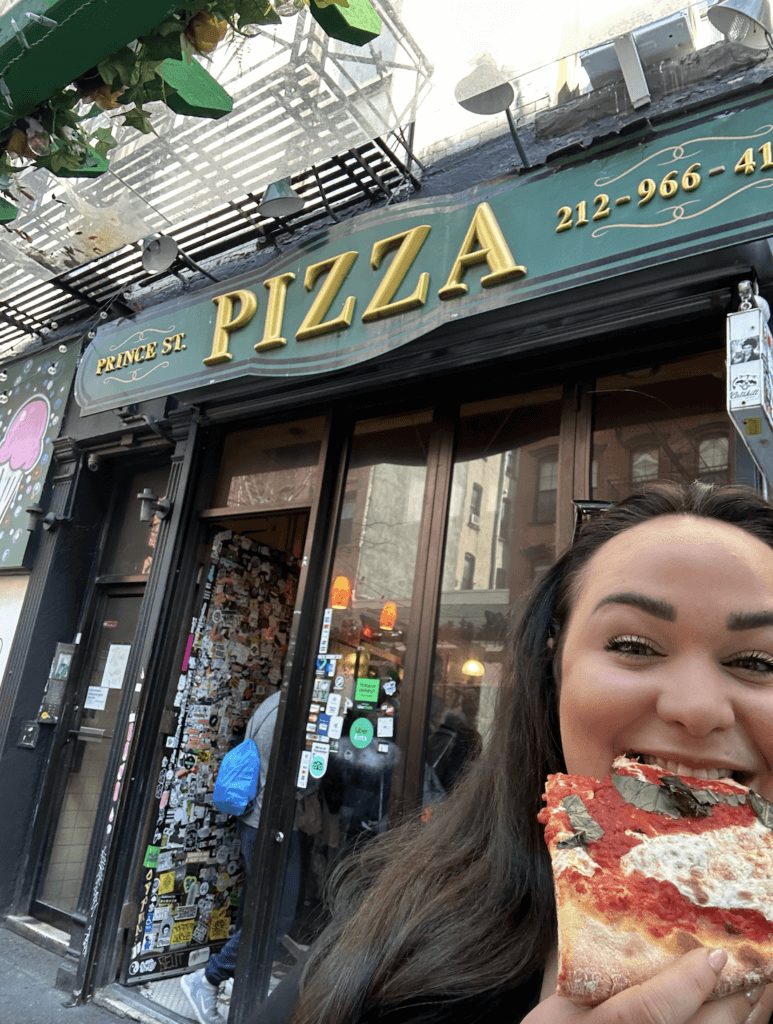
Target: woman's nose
(698, 699)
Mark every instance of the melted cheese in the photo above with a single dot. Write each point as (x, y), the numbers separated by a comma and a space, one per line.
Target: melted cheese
(730, 868)
(575, 857)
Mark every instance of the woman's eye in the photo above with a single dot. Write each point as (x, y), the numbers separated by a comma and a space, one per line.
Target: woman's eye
(753, 661)
(631, 646)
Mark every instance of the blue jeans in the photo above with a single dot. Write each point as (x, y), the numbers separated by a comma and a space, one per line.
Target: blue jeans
(223, 964)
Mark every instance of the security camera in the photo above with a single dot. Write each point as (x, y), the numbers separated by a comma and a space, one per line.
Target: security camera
(94, 462)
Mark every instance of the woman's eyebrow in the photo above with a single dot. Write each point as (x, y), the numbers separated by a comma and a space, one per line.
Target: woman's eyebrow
(749, 620)
(651, 605)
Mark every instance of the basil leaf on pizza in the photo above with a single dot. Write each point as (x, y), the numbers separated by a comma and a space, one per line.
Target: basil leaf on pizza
(585, 828)
(648, 865)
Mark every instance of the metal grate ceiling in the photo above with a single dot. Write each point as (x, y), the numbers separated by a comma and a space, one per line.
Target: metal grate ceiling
(371, 173)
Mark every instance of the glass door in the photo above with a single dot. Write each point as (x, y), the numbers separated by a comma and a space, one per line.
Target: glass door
(353, 723)
(87, 750)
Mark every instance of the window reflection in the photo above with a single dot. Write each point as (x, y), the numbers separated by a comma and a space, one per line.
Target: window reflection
(639, 437)
(500, 539)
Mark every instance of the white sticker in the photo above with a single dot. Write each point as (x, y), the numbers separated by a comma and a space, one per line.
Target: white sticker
(390, 686)
(96, 698)
(333, 704)
(383, 748)
(385, 727)
(115, 666)
(303, 771)
(338, 684)
(348, 703)
(323, 640)
(198, 956)
(336, 727)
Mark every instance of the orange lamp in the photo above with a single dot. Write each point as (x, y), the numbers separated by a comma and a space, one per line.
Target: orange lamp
(388, 616)
(340, 593)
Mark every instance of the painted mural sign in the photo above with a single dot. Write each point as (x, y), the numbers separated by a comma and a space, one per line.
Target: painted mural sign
(192, 872)
(387, 277)
(33, 396)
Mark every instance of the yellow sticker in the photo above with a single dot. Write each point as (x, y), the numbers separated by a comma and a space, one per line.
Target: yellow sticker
(219, 923)
(753, 426)
(182, 931)
(166, 883)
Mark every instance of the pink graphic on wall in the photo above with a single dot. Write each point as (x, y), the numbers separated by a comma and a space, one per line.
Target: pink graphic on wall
(21, 448)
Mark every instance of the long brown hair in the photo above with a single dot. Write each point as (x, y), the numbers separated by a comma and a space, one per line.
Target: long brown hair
(463, 904)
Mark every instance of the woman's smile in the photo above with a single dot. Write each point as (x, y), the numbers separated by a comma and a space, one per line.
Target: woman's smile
(668, 654)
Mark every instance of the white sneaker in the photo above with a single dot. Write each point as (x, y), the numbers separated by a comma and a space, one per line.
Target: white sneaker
(203, 997)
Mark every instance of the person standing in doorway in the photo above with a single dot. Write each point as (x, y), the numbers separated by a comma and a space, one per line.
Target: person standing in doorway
(202, 986)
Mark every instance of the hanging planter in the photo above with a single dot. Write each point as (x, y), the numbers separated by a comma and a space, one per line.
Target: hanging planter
(158, 66)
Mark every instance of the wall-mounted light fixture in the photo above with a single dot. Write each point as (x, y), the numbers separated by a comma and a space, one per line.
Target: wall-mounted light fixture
(280, 200)
(487, 91)
(151, 504)
(743, 21)
(160, 253)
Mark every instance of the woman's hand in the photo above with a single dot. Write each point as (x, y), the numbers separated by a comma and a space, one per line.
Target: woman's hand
(675, 996)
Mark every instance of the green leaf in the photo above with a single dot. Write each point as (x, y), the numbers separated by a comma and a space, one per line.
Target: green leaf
(684, 798)
(762, 809)
(137, 118)
(256, 12)
(159, 47)
(645, 795)
(102, 141)
(118, 69)
(581, 821)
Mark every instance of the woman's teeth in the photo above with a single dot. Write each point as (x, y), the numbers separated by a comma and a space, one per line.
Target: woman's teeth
(677, 768)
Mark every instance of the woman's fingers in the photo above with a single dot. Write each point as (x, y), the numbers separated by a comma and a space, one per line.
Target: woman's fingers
(675, 996)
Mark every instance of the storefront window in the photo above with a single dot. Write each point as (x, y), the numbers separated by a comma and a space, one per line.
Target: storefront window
(351, 747)
(663, 423)
(508, 451)
(274, 465)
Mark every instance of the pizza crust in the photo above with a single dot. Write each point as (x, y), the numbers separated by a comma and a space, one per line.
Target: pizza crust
(629, 958)
(601, 954)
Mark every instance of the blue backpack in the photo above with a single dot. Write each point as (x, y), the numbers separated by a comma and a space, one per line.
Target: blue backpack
(237, 780)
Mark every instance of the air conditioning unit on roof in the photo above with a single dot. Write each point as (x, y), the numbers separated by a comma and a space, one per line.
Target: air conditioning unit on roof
(667, 39)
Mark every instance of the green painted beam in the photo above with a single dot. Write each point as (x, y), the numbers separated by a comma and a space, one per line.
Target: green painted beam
(87, 32)
(194, 90)
(357, 24)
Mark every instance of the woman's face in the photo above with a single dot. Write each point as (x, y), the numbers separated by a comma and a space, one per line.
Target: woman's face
(668, 654)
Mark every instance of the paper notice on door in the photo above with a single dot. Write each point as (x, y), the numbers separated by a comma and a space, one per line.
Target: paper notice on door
(96, 698)
(115, 666)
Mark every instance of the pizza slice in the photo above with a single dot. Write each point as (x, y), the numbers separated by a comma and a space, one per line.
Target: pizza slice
(647, 866)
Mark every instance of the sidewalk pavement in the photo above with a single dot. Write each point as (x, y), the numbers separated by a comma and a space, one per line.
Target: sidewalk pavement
(27, 993)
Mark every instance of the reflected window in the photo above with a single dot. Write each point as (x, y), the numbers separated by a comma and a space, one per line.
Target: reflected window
(638, 435)
(345, 530)
(644, 465)
(713, 462)
(476, 501)
(507, 446)
(468, 576)
(547, 487)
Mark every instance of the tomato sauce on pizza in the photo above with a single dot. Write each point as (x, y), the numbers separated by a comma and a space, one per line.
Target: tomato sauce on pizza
(648, 865)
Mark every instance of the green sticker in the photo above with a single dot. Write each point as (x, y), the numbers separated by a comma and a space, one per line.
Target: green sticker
(361, 732)
(151, 857)
(367, 690)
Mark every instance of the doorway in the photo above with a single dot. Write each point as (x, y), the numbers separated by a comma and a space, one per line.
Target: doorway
(193, 871)
(88, 748)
